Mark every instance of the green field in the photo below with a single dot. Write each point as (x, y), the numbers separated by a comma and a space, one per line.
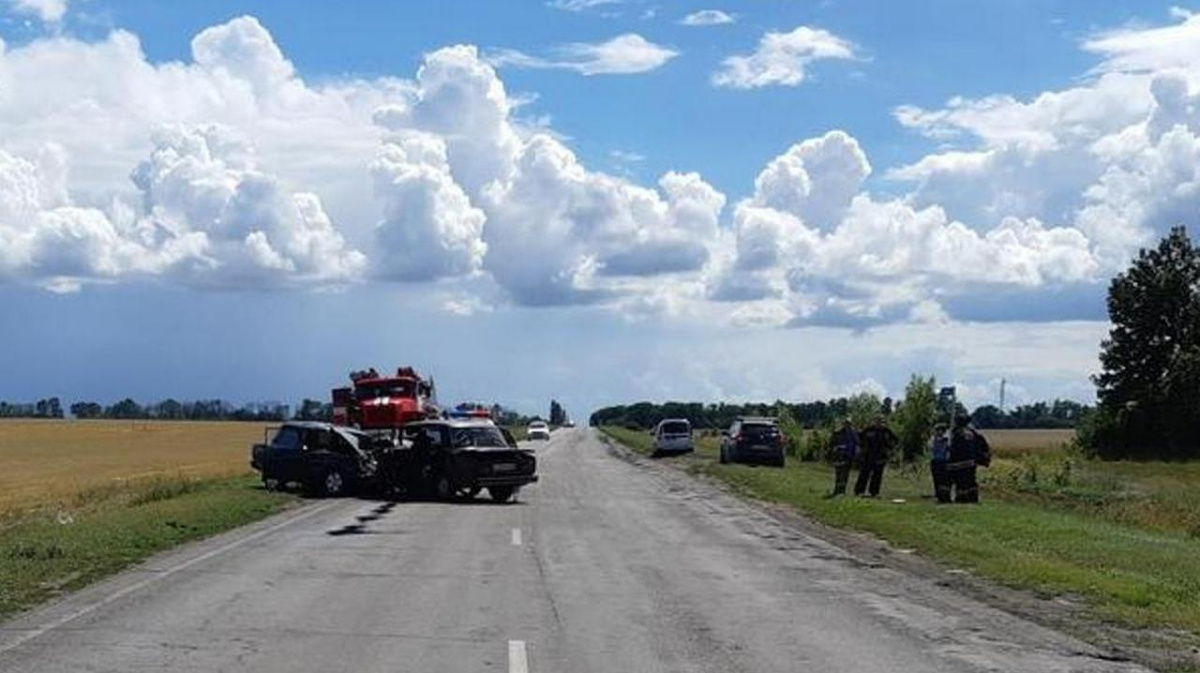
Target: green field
(1123, 538)
(81, 500)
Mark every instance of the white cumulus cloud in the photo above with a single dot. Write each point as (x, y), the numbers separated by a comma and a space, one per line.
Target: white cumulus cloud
(626, 54)
(49, 11)
(708, 17)
(430, 229)
(782, 59)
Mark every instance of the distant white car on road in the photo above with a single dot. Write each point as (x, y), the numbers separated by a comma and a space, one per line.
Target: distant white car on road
(673, 435)
(538, 430)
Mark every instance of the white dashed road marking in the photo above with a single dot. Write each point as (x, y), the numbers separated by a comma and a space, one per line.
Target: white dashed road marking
(518, 662)
(516, 537)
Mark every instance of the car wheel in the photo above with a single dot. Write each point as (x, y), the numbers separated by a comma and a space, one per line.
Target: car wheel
(442, 488)
(333, 483)
(501, 493)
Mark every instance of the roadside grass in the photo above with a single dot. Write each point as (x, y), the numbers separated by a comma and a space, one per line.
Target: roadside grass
(1123, 537)
(103, 530)
(519, 432)
(83, 499)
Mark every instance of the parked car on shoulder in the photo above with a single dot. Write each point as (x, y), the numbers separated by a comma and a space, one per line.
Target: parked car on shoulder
(673, 435)
(538, 430)
(324, 459)
(461, 457)
(753, 439)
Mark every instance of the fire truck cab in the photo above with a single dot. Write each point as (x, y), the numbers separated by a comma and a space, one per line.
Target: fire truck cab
(380, 402)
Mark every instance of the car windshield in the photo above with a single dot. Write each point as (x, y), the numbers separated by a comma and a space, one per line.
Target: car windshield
(369, 391)
(482, 436)
(676, 428)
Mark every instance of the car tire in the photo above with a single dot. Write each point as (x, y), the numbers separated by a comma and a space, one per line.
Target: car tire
(333, 483)
(501, 494)
(442, 488)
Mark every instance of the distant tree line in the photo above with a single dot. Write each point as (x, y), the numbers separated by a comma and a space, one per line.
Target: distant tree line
(1059, 414)
(206, 410)
(175, 410)
(646, 415)
(47, 408)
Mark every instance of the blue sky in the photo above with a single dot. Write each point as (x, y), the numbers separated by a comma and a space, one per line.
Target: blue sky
(591, 201)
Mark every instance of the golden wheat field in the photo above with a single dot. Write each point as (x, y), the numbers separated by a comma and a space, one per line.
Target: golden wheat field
(47, 461)
(1013, 442)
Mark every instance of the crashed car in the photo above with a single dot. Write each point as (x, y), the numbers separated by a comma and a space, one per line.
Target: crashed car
(459, 458)
(324, 459)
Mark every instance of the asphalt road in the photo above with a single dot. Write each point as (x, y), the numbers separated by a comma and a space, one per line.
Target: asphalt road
(604, 566)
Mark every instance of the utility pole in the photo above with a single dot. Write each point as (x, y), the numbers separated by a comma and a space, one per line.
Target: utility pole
(1003, 383)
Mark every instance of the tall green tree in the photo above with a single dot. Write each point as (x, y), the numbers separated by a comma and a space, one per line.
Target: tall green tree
(862, 408)
(1149, 386)
(558, 416)
(915, 416)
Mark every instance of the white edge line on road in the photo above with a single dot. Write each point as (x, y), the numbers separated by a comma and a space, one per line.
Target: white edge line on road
(117, 595)
(516, 537)
(518, 662)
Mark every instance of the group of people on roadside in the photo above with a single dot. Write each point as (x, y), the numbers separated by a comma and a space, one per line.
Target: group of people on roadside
(954, 456)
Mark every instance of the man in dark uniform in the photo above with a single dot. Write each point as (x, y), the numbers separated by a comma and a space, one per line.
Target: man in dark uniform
(877, 443)
(964, 444)
(845, 446)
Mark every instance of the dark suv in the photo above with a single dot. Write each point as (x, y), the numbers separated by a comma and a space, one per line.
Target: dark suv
(753, 440)
(460, 457)
(325, 459)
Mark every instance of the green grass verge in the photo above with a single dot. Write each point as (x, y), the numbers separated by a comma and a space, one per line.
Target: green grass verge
(1078, 538)
(107, 529)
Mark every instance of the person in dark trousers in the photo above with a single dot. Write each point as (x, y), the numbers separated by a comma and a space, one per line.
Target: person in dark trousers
(964, 444)
(939, 456)
(877, 443)
(981, 453)
(845, 447)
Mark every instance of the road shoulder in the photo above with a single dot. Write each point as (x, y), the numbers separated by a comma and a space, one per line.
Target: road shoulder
(1068, 622)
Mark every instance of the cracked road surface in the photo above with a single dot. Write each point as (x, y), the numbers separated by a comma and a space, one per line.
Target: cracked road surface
(603, 566)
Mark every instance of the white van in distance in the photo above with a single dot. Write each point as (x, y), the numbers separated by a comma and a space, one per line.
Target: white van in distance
(673, 435)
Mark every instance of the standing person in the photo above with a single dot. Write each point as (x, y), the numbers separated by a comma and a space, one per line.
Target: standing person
(878, 440)
(845, 447)
(961, 468)
(939, 456)
(981, 454)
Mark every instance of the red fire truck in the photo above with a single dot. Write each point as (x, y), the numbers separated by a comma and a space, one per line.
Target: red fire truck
(375, 401)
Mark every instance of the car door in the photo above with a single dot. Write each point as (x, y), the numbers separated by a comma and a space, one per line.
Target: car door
(317, 452)
(285, 456)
